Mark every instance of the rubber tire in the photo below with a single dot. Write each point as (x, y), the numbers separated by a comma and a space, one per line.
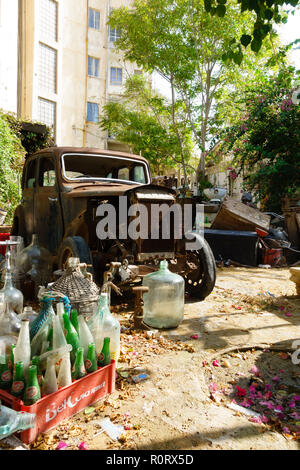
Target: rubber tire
(79, 249)
(208, 265)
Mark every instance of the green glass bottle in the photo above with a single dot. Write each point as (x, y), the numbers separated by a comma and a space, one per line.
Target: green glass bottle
(5, 373)
(74, 319)
(91, 360)
(78, 369)
(11, 358)
(50, 339)
(18, 385)
(36, 362)
(32, 391)
(71, 336)
(104, 356)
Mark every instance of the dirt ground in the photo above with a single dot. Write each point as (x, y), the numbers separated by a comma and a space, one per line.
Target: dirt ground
(241, 335)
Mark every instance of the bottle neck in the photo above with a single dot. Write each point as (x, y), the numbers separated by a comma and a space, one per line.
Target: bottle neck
(34, 240)
(26, 420)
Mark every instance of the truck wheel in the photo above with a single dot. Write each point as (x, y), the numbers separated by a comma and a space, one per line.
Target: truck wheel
(74, 247)
(200, 282)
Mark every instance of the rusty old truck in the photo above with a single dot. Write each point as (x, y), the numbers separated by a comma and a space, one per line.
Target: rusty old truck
(61, 191)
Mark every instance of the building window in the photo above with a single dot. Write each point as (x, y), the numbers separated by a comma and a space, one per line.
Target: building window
(47, 112)
(115, 76)
(47, 68)
(48, 20)
(94, 19)
(92, 112)
(114, 34)
(93, 67)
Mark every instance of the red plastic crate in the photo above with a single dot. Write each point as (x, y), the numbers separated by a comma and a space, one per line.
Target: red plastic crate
(52, 409)
(3, 238)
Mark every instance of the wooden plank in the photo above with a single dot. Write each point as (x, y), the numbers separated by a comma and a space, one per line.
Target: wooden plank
(234, 215)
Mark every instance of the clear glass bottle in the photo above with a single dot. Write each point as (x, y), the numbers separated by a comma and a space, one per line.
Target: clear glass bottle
(28, 314)
(12, 296)
(110, 328)
(164, 303)
(35, 262)
(12, 421)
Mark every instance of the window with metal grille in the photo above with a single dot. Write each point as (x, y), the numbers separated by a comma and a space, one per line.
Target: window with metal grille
(114, 34)
(92, 112)
(116, 76)
(93, 67)
(94, 19)
(47, 68)
(48, 20)
(47, 112)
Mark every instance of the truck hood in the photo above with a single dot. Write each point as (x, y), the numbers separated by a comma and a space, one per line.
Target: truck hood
(117, 189)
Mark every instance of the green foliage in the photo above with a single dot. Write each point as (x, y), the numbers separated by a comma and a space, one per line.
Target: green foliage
(266, 143)
(143, 121)
(11, 158)
(30, 140)
(15, 143)
(188, 47)
(266, 12)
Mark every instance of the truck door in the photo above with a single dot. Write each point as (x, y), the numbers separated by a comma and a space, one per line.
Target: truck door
(48, 217)
(29, 191)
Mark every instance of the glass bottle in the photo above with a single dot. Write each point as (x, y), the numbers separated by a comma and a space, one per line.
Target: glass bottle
(50, 380)
(12, 296)
(22, 351)
(110, 328)
(164, 302)
(12, 421)
(18, 385)
(46, 311)
(104, 358)
(71, 336)
(32, 391)
(5, 373)
(85, 336)
(28, 314)
(78, 370)
(91, 360)
(10, 324)
(64, 375)
(74, 319)
(36, 261)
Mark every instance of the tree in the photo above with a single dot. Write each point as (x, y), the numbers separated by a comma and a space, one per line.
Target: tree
(143, 120)
(266, 143)
(267, 12)
(186, 46)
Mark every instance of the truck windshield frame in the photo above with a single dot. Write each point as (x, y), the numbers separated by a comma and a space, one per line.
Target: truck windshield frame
(131, 163)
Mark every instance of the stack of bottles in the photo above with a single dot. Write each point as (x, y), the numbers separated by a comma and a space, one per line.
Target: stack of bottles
(55, 349)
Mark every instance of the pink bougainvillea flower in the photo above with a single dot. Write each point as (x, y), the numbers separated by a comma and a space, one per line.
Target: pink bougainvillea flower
(195, 336)
(281, 307)
(127, 427)
(83, 446)
(278, 408)
(215, 363)
(255, 370)
(268, 387)
(268, 395)
(292, 404)
(241, 392)
(264, 419)
(296, 397)
(245, 403)
(286, 430)
(61, 445)
(255, 419)
(213, 387)
(288, 314)
(204, 363)
(275, 378)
